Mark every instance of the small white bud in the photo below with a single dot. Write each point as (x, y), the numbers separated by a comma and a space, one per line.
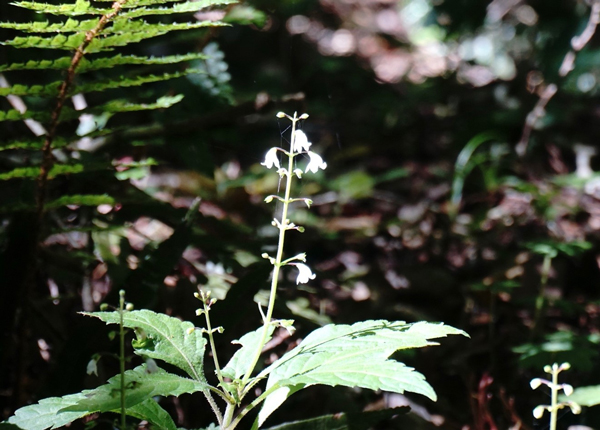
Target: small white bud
(190, 330)
(280, 115)
(567, 389)
(575, 408)
(268, 199)
(538, 412)
(304, 116)
(535, 383)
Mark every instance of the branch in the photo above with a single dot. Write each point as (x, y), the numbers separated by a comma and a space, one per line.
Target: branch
(567, 66)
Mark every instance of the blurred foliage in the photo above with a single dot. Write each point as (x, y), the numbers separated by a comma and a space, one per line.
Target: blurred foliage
(425, 211)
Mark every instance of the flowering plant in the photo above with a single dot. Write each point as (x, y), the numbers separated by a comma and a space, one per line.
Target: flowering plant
(356, 355)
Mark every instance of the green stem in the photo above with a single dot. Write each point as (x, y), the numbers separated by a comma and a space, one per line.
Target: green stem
(122, 356)
(277, 265)
(212, 342)
(554, 403)
(540, 302)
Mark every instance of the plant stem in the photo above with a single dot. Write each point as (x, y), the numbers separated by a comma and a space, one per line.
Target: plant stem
(554, 403)
(277, 265)
(122, 356)
(212, 341)
(540, 302)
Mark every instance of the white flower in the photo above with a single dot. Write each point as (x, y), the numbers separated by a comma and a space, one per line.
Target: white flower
(315, 163)
(304, 273)
(301, 142)
(271, 159)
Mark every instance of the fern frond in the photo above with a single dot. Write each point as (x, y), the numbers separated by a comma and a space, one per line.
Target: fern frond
(34, 172)
(135, 8)
(69, 26)
(187, 7)
(118, 106)
(33, 144)
(52, 89)
(100, 63)
(81, 7)
(34, 90)
(119, 26)
(128, 82)
(122, 37)
(15, 115)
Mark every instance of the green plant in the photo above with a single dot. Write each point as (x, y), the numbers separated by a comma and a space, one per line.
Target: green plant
(555, 387)
(348, 355)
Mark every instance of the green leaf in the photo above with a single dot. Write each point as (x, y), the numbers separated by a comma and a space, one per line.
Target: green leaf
(140, 385)
(354, 356)
(583, 396)
(242, 359)
(45, 414)
(151, 411)
(343, 421)
(163, 337)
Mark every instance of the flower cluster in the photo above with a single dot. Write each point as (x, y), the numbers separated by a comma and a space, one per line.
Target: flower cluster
(299, 145)
(555, 387)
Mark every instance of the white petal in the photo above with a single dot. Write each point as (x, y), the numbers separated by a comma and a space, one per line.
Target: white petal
(315, 163)
(271, 159)
(304, 273)
(301, 142)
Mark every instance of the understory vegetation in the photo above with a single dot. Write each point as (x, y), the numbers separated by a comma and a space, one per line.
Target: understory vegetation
(299, 214)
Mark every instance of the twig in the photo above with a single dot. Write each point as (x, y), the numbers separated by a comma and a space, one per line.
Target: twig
(567, 66)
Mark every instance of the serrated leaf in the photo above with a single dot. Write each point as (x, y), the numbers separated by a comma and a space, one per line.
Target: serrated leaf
(163, 337)
(583, 396)
(242, 359)
(151, 411)
(140, 385)
(354, 356)
(45, 414)
(56, 412)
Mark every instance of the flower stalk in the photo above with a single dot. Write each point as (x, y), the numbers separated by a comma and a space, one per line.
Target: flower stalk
(555, 387)
(299, 145)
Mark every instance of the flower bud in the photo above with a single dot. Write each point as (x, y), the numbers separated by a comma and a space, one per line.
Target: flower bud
(190, 330)
(538, 412)
(304, 116)
(129, 306)
(280, 115)
(535, 383)
(103, 307)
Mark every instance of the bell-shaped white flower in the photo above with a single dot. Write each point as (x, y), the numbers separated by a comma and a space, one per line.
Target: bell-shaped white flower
(271, 159)
(304, 273)
(315, 163)
(301, 142)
